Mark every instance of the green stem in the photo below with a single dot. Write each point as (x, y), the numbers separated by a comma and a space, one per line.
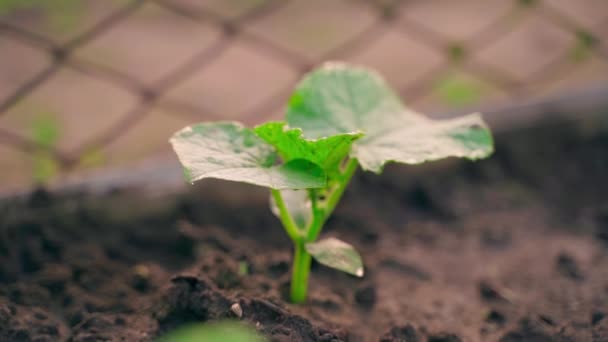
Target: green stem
(299, 275)
(301, 260)
(347, 175)
(286, 219)
(319, 218)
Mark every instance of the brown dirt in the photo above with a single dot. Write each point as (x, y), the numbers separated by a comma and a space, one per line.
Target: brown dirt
(514, 248)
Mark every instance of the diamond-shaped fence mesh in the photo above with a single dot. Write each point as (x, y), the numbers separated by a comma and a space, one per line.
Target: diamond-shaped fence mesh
(96, 83)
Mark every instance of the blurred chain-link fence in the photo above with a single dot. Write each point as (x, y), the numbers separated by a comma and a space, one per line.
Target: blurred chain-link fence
(90, 83)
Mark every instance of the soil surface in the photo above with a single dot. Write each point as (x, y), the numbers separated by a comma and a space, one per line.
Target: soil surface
(513, 248)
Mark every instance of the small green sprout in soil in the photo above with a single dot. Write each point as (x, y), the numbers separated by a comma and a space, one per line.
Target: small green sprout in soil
(340, 117)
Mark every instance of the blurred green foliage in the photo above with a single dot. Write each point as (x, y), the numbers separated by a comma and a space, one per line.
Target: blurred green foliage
(57, 14)
(44, 167)
(457, 90)
(45, 132)
(214, 332)
(585, 43)
(456, 52)
(528, 3)
(92, 158)
(243, 268)
(8, 6)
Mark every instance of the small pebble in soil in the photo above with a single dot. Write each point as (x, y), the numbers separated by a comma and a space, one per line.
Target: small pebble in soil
(568, 267)
(237, 310)
(141, 270)
(141, 278)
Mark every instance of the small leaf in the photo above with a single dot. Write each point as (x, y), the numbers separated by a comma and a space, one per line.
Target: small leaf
(327, 152)
(230, 151)
(298, 205)
(338, 98)
(213, 332)
(337, 254)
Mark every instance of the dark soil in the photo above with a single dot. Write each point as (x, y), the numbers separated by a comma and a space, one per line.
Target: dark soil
(514, 248)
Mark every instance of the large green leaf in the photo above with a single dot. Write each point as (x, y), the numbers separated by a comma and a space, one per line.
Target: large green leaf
(214, 332)
(338, 98)
(337, 254)
(327, 152)
(230, 151)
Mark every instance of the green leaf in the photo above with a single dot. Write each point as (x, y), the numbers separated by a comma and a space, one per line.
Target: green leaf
(327, 152)
(298, 205)
(213, 332)
(337, 254)
(230, 151)
(338, 98)
(427, 140)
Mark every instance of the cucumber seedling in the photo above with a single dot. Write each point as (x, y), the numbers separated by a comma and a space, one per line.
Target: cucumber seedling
(340, 117)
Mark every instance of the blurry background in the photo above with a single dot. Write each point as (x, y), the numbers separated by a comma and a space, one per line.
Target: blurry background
(90, 84)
